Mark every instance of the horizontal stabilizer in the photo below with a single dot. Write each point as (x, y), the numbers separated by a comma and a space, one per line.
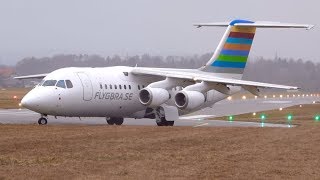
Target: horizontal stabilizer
(258, 24)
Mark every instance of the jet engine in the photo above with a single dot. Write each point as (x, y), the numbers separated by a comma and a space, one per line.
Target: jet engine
(189, 99)
(153, 97)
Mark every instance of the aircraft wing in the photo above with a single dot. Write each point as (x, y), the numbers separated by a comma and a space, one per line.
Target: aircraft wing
(35, 76)
(210, 78)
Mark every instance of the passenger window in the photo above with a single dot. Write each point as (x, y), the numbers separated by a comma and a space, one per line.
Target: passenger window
(129, 86)
(125, 87)
(101, 86)
(119, 86)
(110, 86)
(69, 84)
(142, 86)
(49, 83)
(126, 73)
(61, 84)
(139, 87)
(105, 86)
(115, 86)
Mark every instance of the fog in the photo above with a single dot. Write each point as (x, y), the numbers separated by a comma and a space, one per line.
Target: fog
(108, 27)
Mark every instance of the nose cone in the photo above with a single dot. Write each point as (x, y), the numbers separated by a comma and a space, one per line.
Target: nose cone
(29, 101)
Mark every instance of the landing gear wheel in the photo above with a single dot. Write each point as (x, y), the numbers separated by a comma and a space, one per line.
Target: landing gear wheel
(110, 121)
(170, 123)
(164, 122)
(116, 121)
(42, 121)
(160, 124)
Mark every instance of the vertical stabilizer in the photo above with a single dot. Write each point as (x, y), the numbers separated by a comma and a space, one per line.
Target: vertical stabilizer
(233, 50)
(230, 57)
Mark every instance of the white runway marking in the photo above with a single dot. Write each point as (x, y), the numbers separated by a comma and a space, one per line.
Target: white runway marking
(199, 125)
(17, 113)
(277, 102)
(196, 117)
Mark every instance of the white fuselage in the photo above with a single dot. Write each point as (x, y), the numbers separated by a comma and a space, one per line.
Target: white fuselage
(98, 92)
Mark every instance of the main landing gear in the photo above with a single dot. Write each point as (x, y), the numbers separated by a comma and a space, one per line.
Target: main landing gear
(161, 118)
(163, 122)
(42, 121)
(114, 121)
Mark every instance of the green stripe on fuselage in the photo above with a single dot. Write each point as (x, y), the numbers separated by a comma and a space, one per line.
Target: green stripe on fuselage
(232, 58)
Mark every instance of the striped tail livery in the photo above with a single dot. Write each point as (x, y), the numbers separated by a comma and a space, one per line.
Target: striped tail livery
(231, 55)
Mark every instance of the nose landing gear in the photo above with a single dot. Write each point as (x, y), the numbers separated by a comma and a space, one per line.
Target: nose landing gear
(42, 121)
(114, 120)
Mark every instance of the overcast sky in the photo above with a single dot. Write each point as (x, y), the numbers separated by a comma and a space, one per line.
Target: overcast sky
(158, 27)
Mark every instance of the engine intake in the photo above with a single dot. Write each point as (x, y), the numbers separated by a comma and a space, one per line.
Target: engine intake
(153, 97)
(189, 99)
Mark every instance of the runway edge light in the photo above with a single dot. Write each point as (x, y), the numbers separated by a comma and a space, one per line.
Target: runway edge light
(317, 117)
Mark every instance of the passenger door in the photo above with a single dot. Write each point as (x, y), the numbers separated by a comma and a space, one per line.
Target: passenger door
(86, 85)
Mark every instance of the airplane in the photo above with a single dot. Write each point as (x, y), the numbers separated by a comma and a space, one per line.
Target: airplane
(162, 94)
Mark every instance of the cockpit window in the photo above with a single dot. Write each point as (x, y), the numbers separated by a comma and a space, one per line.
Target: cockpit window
(69, 84)
(40, 84)
(49, 83)
(61, 84)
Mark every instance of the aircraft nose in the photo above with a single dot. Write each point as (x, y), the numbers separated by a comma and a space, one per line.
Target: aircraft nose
(29, 102)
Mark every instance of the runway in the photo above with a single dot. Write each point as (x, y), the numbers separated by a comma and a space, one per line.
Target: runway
(197, 119)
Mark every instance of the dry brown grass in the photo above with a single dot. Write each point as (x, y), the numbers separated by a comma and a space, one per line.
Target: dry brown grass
(7, 100)
(304, 115)
(130, 152)
(135, 152)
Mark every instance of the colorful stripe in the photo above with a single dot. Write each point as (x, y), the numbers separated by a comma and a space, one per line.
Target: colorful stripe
(242, 47)
(241, 35)
(234, 52)
(243, 29)
(232, 58)
(229, 64)
(239, 41)
(239, 21)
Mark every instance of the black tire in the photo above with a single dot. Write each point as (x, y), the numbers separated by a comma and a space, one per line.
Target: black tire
(160, 123)
(164, 122)
(110, 121)
(170, 123)
(42, 121)
(118, 121)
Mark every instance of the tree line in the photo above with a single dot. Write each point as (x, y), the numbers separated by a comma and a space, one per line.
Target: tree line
(305, 74)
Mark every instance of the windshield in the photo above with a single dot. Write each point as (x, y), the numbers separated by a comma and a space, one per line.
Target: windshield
(69, 84)
(61, 84)
(49, 83)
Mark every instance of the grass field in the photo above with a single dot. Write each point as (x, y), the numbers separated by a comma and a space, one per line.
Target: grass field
(145, 152)
(111, 152)
(300, 115)
(10, 98)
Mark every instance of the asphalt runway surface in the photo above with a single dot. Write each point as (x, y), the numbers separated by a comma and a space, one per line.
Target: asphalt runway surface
(197, 119)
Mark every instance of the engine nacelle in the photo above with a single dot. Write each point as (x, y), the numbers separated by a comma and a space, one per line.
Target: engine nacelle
(189, 99)
(153, 97)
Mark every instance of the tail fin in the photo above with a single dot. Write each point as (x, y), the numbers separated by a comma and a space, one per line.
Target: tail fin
(233, 50)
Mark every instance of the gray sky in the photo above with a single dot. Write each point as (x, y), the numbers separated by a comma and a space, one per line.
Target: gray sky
(159, 27)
